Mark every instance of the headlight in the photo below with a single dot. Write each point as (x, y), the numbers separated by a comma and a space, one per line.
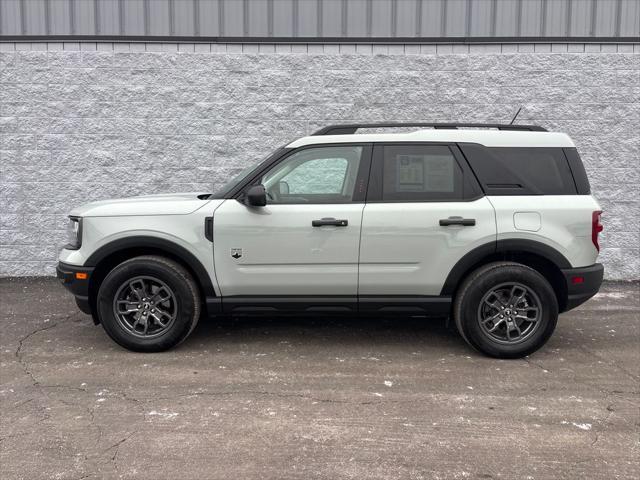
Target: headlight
(74, 231)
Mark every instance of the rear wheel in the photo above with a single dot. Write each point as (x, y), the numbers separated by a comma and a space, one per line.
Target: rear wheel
(148, 304)
(506, 310)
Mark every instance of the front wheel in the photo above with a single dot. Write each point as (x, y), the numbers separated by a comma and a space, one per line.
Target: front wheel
(506, 310)
(148, 304)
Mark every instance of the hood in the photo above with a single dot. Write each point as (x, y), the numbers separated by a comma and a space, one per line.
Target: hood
(164, 204)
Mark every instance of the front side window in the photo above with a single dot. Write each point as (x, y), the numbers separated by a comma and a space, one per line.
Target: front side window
(315, 175)
(420, 173)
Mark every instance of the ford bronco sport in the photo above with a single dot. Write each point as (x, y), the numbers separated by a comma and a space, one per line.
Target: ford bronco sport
(491, 225)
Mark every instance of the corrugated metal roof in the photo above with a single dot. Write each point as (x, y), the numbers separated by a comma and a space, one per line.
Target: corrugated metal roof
(336, 19)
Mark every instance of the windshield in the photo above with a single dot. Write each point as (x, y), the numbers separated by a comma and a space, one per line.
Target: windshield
(223, 191)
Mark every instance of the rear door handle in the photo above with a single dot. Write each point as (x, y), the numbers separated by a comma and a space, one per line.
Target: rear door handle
(329, 221)
(465, 222)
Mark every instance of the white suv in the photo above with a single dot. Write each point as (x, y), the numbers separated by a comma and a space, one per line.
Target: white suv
(493, 225)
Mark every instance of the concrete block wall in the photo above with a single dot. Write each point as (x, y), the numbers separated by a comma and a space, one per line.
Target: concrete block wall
(83, 122)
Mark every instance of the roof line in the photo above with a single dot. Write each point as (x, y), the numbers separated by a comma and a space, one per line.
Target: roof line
(314, 40)
(485, 137)
(351, 128)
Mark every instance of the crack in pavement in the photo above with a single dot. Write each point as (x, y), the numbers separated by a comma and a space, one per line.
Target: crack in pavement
(18, 352)
(20, 356)
(25, 367)
(377, 401)
(611, 363)
(21, 343)
(117, 445)
(605, 393)
(249, 392)
(536, 364)
(604, 422)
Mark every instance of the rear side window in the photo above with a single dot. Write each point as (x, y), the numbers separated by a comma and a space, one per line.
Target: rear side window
(521, 170)
(577, 169)
(420, 173)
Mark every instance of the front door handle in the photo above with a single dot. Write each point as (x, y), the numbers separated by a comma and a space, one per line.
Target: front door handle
(465, 222)
(329, 221)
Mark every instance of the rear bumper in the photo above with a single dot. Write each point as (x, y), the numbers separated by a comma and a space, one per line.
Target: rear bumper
(79, 287)
(582, 284)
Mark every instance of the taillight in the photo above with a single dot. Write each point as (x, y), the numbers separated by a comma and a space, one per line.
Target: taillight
(596, 228)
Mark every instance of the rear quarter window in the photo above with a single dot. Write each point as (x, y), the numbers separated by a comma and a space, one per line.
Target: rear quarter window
(578, 171)
(521, 170)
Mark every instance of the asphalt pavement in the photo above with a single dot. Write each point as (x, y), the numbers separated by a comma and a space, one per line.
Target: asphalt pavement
(330, 398)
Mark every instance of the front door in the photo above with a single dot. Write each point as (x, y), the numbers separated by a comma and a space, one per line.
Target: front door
(424, 212)
(302, 247)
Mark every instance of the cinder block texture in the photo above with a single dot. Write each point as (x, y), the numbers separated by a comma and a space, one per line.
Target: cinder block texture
(78, 126)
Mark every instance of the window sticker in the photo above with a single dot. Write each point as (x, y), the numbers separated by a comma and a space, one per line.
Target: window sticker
(410, 173)
(424, 173)
(439, 173)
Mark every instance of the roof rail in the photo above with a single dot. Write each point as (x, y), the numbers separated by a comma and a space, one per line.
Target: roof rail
(350, 129)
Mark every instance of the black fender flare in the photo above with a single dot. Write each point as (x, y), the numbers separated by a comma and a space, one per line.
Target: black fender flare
(156, 243)
(475, 256)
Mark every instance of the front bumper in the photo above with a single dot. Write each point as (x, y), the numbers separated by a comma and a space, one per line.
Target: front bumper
(582, 284)
(76, 280)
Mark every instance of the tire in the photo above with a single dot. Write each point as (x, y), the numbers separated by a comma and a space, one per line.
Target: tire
(485, 320)
(129, 293)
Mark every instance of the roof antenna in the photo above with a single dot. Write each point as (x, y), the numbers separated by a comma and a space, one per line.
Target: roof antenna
(515, 116)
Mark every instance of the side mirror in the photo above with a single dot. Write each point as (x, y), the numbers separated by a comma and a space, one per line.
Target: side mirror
(256, 196)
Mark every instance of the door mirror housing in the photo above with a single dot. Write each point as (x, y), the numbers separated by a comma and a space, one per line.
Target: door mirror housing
(256, 196)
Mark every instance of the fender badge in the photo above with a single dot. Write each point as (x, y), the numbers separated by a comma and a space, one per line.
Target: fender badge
(236, 253)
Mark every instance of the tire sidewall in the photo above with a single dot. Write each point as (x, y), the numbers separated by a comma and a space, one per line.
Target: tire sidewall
(185, 305)
(468, 311)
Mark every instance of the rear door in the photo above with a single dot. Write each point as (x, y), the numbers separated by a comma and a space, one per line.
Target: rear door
(424, 212)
